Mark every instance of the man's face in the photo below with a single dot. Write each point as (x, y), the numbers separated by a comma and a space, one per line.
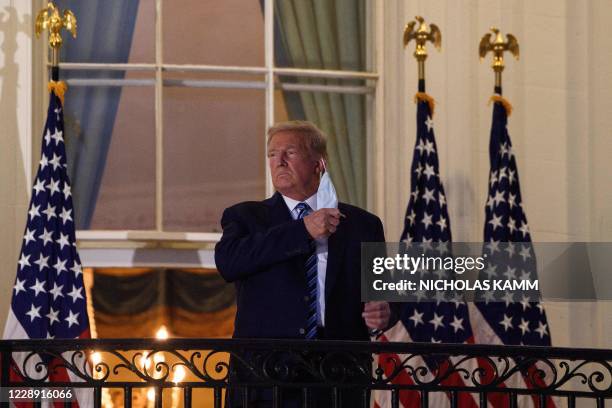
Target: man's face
(295, 170)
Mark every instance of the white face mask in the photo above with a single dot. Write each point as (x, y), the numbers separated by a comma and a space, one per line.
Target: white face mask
(326, 194)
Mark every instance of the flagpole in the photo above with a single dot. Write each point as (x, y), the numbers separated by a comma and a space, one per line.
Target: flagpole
(50, 19)
(421, 33)
(49, 255)
(426, 222)
(498, 46)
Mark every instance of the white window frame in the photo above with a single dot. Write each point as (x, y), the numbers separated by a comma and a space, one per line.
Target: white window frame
(94, 241)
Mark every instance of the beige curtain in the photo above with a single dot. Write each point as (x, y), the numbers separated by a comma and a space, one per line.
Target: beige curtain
(323, 34)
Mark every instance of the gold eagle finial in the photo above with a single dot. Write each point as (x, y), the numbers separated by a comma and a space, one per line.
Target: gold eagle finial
(50, 19)
(421, 35)
(424, 33)
(498, 46)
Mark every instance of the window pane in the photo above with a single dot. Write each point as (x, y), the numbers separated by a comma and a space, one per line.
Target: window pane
(343, 119)
(320, 35)
(110, 31)
(228, 32)
(214, 142)
(110, 141)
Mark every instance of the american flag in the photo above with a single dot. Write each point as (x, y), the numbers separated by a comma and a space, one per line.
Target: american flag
(507, 318)
(427, 221)
(48, 299)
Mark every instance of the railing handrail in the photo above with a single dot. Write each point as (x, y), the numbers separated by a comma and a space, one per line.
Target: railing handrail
(350, 370)
(328, 345)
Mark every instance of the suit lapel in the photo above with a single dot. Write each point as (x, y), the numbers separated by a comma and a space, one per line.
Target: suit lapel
(336, 245)
(278, 212)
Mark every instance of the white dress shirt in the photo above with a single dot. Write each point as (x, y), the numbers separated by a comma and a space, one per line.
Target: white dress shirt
(322, 251)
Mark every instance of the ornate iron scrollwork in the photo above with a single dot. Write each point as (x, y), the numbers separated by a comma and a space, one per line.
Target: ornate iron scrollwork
(210, 363)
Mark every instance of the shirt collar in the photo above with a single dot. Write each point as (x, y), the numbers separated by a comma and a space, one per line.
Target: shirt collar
(311, 201)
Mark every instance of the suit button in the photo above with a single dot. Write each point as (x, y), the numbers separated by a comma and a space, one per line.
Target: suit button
(306, 298)
(302, 331)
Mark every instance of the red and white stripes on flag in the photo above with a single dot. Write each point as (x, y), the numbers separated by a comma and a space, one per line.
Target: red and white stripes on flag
(48, 299)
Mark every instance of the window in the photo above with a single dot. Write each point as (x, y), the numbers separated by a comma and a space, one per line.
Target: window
(169, 101)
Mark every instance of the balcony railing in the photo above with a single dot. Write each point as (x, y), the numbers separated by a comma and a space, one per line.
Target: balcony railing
(302, 370)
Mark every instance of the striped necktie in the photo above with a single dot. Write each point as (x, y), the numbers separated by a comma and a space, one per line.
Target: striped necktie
(311, 280)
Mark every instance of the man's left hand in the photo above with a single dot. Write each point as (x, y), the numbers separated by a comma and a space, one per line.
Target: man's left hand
(376, 315)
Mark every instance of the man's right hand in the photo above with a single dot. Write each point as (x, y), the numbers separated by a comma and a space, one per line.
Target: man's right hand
(322, 223)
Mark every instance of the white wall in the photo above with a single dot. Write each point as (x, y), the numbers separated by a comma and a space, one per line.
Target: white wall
(560, 128)
(15, 137)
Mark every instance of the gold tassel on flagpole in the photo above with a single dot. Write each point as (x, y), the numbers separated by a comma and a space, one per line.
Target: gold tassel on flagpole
(503, 101)
(425, 97)
(58, 88)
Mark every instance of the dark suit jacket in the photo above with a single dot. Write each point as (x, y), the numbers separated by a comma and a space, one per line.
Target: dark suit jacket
(264, 251)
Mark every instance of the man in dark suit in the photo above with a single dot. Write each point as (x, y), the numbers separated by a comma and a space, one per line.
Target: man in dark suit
(297, 266)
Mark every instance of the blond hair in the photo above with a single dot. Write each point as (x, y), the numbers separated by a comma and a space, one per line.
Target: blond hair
(312, 138)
